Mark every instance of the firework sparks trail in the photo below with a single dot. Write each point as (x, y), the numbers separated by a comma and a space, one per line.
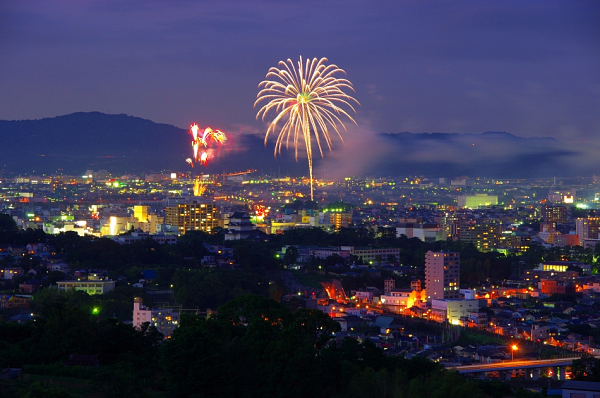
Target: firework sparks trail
(305, 99)
(199, 187)
(216, 135)
(203, 139)
(204, 158)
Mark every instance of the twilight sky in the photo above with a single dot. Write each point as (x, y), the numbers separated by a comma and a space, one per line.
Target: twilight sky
(531, 68)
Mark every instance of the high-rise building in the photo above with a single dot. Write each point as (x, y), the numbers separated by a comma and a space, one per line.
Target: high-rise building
(587, 228)
(442, 275)
(141, 213)
(484, 235)
(449, 225)
(340, 219)
(388, 285)
(144, 220)
(554, 214)
(193, 216)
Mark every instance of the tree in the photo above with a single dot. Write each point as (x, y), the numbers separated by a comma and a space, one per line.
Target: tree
(333, 260)
(577, 212)
(291, 255)
(37, 390)
(340, 206)
(7, 223)
(311, 205)
(586, 369)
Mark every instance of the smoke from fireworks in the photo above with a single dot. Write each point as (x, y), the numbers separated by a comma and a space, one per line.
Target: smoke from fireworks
(305, 99)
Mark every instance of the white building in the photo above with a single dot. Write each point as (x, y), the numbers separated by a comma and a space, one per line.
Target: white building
(114, 226)
(476, 201)
(399, 300)
(88, 286)
(442, 275)
(580, 389)
(139, 236)
(165, 320)
(587, 228)
(369, 255)
(424, 232)
(455, 309)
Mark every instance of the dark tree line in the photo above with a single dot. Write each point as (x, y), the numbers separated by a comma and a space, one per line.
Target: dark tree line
(252, 347)
(255, 347)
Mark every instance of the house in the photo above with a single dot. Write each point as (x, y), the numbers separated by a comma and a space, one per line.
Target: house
(14, 301)
(17, 251)
(149, 275)
(385, 324)
(10, 373)
(580, 389)
(478, 319)
(30, 286)
(349, 322)
(36, 249)
(208, 260)
(60, 267)
(22, 317)
(11, 272)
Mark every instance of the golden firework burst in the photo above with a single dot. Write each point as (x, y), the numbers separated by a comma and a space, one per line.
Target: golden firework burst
(308, 101)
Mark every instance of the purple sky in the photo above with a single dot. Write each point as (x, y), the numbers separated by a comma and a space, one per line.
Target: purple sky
(531, 68)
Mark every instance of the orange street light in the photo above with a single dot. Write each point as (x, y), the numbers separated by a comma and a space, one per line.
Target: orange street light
(514, 348)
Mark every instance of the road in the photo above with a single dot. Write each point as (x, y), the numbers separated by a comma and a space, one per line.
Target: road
(517, 364)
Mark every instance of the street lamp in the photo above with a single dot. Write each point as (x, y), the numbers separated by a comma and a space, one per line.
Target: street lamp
(514, 348)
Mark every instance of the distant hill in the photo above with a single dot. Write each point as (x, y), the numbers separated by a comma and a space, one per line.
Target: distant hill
(118, 143)
(94, 140)
(122, 143)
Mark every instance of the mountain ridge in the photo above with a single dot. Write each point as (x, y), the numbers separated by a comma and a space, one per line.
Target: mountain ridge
(80, 141)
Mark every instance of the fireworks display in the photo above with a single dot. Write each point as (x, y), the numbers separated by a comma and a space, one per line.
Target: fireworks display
(260, 212)
(307, 101)
(202, 140)
(199, 141)
(199, 187)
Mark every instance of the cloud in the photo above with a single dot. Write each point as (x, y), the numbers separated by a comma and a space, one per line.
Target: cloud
(360, 153)
(491, 154)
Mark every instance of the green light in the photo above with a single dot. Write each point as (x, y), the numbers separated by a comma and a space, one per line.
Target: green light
(95, 310)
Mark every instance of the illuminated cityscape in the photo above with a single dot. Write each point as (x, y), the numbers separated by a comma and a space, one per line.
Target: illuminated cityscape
(443, 241)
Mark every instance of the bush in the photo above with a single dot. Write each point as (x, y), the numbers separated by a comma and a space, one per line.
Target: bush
(60, 370)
